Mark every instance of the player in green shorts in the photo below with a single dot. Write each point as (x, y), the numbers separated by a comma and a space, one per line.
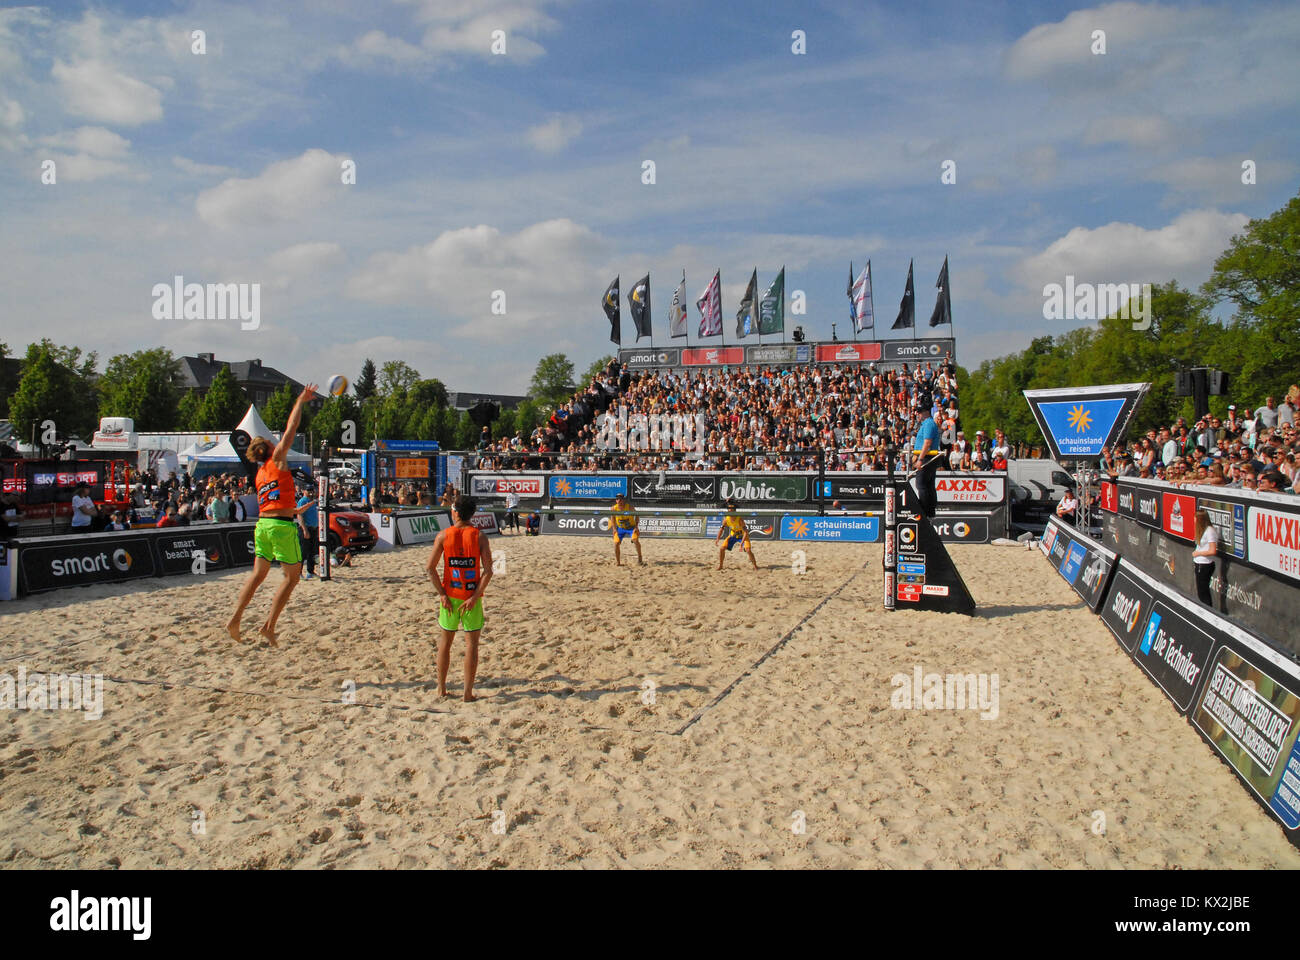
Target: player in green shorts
(466, 572)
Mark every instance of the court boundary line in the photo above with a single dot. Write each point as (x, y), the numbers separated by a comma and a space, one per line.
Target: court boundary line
(765, 657)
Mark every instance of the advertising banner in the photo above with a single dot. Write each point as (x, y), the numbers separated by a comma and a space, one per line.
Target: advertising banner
(713, 356)
(485, 522)
(587, 487)
(581, 525)
(85, 558)
(848, 529)
(1109, 496)
(854, 488)
(1084, 563)
(951, 488)
(1174, 648)
(964, 527)
(764, 488)
(896, 351)
(868, 351)
(675, 487)
(672, 527)
(1078, 421)
(640, 359)
(780, 354)
(1229, 520)
(1126, 607)
(240, 549)
(1274, 540)
(421, 527)
(1178, 513)
(760, 528)
(175, 550)
(529, 486)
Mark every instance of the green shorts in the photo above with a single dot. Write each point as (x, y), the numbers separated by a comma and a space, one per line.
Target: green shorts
(458, 619)
(277, 539)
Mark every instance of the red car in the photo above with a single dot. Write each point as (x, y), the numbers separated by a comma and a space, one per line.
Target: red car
(352, 530)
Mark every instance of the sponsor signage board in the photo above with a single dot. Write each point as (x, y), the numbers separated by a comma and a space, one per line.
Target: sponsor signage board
(674, 487)
(1126, 608)
(897, 351)
(485, 522)
(587, 487)
(760, 528)
(1229, 520)
(1250, 716)
(1173, 651)
(672, 526)
(1110, 496)
(764, 488)
(970, 489)
(779, 354)
(421, 527)
(713, 356)
(528, 486)
(848, 529)
(1072, 562)
(1078, 421)
(961, 528)
(1147, 507)
(176, 549)
(1274, 540)
(637, 359)
(411, 468)
(84, 559)
(868, 351)
(1178, 511)
(240, 548)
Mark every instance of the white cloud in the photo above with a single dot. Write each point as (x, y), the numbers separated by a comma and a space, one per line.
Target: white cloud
(540, 268)
(381, 46)
(1127, 253)
(95, 141)
(555, 134)
(96, 90)
(1051, 48)
(302, 261)
(285, 190)
(11, 114)
(459, 28)
(1142, 131)
(1216, 179)
(195, 169)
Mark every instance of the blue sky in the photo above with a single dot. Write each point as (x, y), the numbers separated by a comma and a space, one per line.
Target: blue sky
(522, 172)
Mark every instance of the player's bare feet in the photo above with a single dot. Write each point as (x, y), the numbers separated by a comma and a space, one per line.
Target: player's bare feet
(232, 628)
(470, 698)
(442, 692)
(271, 635)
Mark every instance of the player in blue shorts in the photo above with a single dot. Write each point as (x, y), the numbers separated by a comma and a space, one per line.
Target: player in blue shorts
(626, 524)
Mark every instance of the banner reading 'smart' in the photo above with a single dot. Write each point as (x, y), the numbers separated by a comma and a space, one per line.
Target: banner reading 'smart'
(1078, 421)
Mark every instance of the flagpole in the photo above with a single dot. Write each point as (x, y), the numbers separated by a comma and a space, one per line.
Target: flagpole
(947, 292)
(647, 311)
(722, 324)
(909, 273)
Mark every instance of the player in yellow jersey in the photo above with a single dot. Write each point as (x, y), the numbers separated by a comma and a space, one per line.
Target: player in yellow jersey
(733, 528)
(626, 524)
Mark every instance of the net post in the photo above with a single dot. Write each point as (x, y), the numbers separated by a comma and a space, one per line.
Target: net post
(891, 530)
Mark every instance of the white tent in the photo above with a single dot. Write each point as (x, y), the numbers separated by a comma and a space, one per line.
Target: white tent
(220, 457)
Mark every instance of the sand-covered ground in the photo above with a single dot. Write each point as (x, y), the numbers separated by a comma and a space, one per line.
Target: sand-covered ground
(560, 763)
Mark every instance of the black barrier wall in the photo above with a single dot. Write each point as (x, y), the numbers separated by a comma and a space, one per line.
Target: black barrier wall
(1257, 571)
(50, 563)
(972, 507)
(1236, 689)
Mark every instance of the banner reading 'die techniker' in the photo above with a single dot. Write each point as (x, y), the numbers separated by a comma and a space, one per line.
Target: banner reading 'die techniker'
(1078, 421)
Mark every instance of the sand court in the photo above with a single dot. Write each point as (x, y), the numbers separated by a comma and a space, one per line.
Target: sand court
(666, 715)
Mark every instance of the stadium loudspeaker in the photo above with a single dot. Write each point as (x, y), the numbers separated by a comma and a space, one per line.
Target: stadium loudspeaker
(1218, 383)
(1183, 383)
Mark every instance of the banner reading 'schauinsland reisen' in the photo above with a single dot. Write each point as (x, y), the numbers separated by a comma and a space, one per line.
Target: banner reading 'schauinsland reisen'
(1078, 421)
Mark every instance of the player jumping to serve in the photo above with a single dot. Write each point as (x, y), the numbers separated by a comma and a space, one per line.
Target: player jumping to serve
(465, 576)
(275, 538)
(626, 524)
(734, 529)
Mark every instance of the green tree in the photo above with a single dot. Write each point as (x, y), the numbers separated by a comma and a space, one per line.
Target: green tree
(55, 384)
(597, 367)
(1259, 275)
(7, 383)
(467, 432)
(397, 376)
(427, 393)
(277, 409)
(189, 411)
(365, 387)
(329, 420)
(142, 386)
(552, 381)
(224, 405)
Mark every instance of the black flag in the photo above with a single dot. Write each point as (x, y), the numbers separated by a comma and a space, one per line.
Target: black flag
(240, 440)
(745, 324)
(612, 310)
(943, 304)
(907, 306)
(638, 304)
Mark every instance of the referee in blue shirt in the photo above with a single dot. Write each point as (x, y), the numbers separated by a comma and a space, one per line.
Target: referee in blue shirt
(926, 443)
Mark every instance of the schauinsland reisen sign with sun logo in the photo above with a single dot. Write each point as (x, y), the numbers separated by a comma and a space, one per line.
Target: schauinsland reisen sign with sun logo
(1078, 422)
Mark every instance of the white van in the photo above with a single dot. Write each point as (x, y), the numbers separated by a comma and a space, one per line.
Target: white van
(1036, 487)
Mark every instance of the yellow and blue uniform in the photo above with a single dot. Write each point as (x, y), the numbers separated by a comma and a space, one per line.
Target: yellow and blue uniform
(624, 523)
(736, 532)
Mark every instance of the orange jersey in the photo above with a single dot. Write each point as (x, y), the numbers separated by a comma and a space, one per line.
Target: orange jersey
(274, 489)
(460, 551)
